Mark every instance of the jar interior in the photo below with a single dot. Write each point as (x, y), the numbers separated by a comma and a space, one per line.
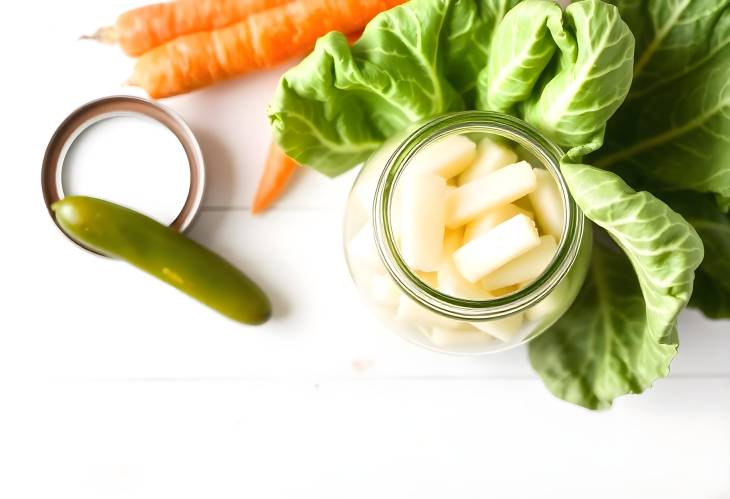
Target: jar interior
(517, 313)
(508, 152)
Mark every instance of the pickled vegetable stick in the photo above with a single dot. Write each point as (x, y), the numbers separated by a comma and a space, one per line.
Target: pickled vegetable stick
(504, 291)
(448, 279)
(525, 204)
(498, 188)
(550, 307)
(384, 291)
(411, 312)
(496, 248)
(459, 338)
(423, 221)
(453, 240)
(356, 218)
(367, 180)
(502, 329)
(362, 247)
(548, 204)
(164, 253)
(490, 219)
(396, 215)
(544, 308)
(525, 268)
(450, 282)
(490, 156)
(364, 191)
(445, 157)
(427, 277)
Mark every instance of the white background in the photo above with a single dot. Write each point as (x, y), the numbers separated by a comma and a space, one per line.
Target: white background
(113, 385)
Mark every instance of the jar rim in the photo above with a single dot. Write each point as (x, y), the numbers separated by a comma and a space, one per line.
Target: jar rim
(517, 131)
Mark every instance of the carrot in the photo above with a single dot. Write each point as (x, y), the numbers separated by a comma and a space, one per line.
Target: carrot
(278, 169)
(262, 40)
(141, 29)
(353, 37)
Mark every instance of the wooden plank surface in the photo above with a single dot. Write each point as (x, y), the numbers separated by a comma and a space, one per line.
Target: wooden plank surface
(114, 385)
(394, 439)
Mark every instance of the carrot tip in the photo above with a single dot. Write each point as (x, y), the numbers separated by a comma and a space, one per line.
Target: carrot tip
(106, 35)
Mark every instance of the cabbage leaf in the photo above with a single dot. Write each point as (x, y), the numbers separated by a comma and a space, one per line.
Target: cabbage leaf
(620, 335)
(571, 95)
(513, 71)
(428, 57)
(674, 127)
(710, 296)
(567, 73)
(712, 288)
(413, 62)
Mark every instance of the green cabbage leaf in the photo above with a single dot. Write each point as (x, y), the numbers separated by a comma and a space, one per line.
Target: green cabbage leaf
(674, 127)
(712, 287)
(568, 73)
(564, 73)
(411, 63)
(620, 334)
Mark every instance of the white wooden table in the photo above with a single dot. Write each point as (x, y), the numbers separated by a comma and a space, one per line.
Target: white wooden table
(113, 385)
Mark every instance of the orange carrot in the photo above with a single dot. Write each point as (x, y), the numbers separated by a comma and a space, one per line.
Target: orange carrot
(260, 41)
(353, 37)
(278, 169)
(144, 28)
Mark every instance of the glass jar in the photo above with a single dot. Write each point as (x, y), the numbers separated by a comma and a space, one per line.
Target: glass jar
(407, 301)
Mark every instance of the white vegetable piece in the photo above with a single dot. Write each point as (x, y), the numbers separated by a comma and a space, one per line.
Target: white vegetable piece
(548, 204)
(452, 240)
(422, 221)
(427, 277)
(367, 181)
(502, 329)
(364, 190)
(551, 304)
(449, 280)
(546, 307)
(356, 218)
(490, 156)
(446, 157)
(525, 204)
(396, 215)
(459, 338)
(525, 268)
(490, 219)
(411, 312)
(504, 291)
(498, 188)
(490, 251)
(363, 249)
(384, 291)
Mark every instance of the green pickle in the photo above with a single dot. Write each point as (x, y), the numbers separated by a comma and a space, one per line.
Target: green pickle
(125, 234)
